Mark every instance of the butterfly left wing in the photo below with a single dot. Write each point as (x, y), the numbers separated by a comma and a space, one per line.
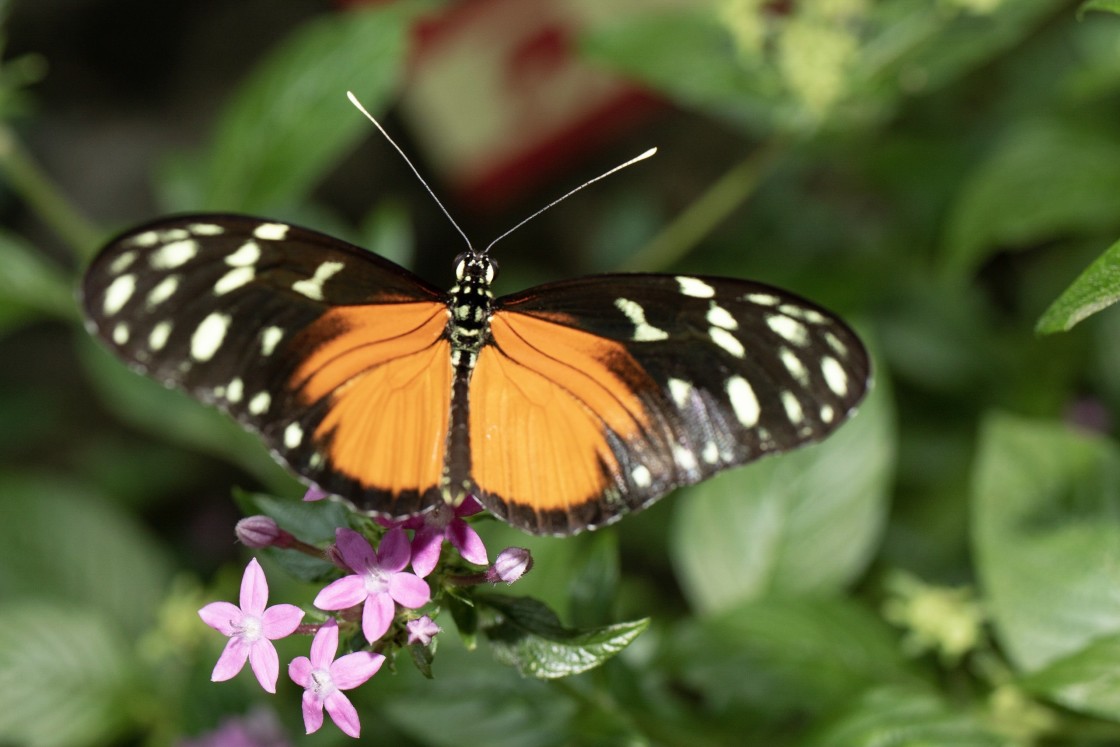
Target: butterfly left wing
(335, 356)
(598, 395)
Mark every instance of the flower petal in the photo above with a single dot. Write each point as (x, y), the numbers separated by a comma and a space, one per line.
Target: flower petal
(409, 590)
(265, 663)
(223, 617)
(343, 713)
(355, 549)
(324, 645)
(354, 669)
(312, 711)
(300, 671)
(377, 616)
(426, 547)
(280, 621)
(231, 661)
(254, 589)
(393, 552)
(341, 594)
(466, 540)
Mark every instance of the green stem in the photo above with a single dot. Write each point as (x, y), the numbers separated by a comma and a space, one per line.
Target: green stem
(707, 212)
(27, 180)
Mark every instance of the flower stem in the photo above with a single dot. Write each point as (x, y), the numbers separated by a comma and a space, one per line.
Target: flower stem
(707, 212)
(28, 180)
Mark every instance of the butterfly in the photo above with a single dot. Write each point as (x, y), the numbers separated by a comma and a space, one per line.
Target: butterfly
(560, 408)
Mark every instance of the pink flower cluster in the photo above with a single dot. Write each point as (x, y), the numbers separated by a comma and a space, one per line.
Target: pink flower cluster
(377, 582)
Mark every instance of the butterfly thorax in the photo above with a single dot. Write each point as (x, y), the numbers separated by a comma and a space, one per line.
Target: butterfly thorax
(471, 302)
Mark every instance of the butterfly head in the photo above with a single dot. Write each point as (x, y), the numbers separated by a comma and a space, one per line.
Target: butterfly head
(472, 268)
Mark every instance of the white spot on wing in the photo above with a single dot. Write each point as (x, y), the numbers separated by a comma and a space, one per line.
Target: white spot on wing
(762, 299)
(710, 453)
(247, 254)
(684, 458)
(118, 293)
(207, 338)
(163, 291)
(260, 403)
(235, 390)
(206, 229)
(834, 375)
(157, 338)
(721, 317)
(794, 365)
(641, 475)
(834, 343)
(293, 435)
(792, 407)
(148, 238)
(743, 401)
(827, 413)
(313, 286)
(120, 333)
(788, 329)
(643, 330)
(680, 391)
(175, 254)
(727, 341)
(801, 312)
(121, 263)
(271, 231)
(695, 287)
(233, 280)
(270, 338)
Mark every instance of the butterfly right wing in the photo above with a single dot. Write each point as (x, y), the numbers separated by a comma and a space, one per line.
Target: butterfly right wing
(335, 356)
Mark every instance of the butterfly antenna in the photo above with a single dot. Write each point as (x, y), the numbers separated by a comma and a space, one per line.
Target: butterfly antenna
(362, 109)
(588, 183)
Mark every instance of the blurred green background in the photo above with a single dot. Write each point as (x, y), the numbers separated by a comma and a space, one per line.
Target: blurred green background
(944, 571)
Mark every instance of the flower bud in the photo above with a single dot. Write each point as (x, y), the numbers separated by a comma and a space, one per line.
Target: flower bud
(512, 563)
(422, 630)
(261, 531)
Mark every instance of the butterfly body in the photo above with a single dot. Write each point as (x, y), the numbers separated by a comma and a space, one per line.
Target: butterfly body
(560, 408)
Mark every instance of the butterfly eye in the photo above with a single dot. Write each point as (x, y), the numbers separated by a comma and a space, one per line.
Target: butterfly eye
(461, 266)
(491, 269)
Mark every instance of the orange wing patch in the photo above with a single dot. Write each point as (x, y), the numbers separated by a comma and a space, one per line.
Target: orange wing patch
(387, 375)
(544, 399)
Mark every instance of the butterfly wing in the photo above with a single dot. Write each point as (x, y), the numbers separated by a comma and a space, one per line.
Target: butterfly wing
(336, 357)
(598, 395)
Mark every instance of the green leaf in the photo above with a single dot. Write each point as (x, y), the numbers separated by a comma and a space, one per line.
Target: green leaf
(1046, 178)
(787, 656)
(30, 285)
(1097, 288)
(800, 523)
(1046, 533)
(903, 717)
(1108, 6)
(59, 540)
(65, 672)
(473, 700)
(290, 121)
(528, 635)
(1087, 681)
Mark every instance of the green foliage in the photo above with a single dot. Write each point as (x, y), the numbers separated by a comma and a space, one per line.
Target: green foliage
(942, 571)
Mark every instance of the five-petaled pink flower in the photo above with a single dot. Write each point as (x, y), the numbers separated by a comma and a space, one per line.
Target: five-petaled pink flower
(422, 630)
(323, 678)
(379, 580)
(251, 629)
(445, 523)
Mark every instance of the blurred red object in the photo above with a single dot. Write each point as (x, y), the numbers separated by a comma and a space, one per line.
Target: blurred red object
(499, 101)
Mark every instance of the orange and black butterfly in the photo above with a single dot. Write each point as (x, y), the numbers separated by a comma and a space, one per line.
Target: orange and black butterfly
(560, 408)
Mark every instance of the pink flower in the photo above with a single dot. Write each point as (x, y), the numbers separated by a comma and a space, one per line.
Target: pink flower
(422, 630)
(251, 629)
(378, 581)
(323, 678)
(445, 523)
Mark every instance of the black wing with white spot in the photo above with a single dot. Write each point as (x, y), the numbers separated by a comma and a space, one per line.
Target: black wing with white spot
(228, 308)
(734, 370)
